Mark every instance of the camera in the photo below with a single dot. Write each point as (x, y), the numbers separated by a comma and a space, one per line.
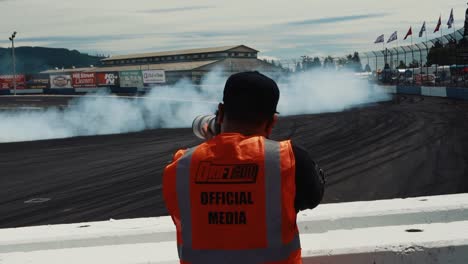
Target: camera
(205, 126)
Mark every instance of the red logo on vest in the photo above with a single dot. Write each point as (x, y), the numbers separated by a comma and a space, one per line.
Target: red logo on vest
(209, 173)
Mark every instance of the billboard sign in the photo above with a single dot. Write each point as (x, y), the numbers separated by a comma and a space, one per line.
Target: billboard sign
(60, 81)
(107, 79)
(154, 76)
(424, 79)
(131, 79)
(37, 81)
(6, 81)
(84, 79)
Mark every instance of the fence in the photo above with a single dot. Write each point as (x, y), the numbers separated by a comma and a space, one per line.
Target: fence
(420, 63)
(417, 52)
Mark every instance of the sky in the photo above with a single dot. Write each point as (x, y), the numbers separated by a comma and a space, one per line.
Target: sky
(279, 29)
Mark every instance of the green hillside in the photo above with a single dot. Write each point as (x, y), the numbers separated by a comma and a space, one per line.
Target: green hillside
(36, 59)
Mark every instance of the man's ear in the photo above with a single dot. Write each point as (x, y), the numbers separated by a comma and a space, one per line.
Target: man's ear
(271, 124)
(220, 114)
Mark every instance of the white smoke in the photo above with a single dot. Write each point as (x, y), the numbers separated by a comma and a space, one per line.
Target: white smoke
(323, 91)
(177, 105)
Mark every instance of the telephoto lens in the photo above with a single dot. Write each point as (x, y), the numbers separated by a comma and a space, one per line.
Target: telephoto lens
(204, 126)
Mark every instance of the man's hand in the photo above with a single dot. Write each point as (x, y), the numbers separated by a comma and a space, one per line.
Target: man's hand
(207, 132)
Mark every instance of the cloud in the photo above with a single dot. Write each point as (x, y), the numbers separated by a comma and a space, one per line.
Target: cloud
(300, 44)
(175, 9)
(280, 29)
(80, 38)
(330, 20)
(77, 40)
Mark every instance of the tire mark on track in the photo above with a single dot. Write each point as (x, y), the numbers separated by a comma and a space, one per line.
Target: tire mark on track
(407, 147)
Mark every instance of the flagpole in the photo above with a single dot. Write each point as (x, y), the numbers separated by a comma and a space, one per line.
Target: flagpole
(412, 55)
(438, 28)
(385, 54)
(397, 53)
(441, 44)
(412, 51)
(441, 30)
(427, 59)
(454, 33)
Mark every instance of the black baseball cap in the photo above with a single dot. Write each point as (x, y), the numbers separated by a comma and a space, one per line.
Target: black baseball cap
(251, 92)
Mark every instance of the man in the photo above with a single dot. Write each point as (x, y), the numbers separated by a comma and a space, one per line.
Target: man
(234, 198)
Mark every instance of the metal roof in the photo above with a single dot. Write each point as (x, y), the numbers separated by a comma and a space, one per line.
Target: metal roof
(175, 66)
(177, 52)
(241, 64)
(69, 70)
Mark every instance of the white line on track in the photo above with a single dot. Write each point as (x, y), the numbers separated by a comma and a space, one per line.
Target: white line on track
(37, 200)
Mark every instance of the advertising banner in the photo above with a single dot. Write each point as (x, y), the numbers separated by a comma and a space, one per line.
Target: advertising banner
(131, 79)
(6, 81)
(154, 76)
(107, 79)
(37, 81)
(84, 80)
(60, 81)
(424, 79)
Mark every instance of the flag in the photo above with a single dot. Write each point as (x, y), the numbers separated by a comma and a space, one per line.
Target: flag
(451, 20)
(410, 33)
(393, 37)
(438, 24)
(423, 29)
(380, 39)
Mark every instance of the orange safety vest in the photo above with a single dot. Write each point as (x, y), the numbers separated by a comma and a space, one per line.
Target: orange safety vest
(232, 201)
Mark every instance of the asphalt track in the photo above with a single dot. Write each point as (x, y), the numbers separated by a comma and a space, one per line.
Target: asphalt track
(411, 146)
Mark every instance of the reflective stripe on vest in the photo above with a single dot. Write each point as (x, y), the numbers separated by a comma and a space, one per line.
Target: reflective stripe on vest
(276, 250)
(246, 256)
(183, 196)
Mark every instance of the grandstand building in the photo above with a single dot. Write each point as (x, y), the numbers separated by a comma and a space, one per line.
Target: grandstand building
(190, 64)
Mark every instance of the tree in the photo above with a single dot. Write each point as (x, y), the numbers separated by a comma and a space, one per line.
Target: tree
(329, 63)
(350, 62)
(316, 63)
(414, 64)
(367, 68)
(438, 44)
(309, 63)
(298, 67)
(306, 63)
(356, 62)
(402, 65)
(342, 62)
(442, 55)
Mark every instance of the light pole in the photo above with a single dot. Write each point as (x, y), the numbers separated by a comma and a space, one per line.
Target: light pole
(12, 39)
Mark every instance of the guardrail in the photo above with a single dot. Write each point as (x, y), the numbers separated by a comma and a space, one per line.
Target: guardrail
(448, 92)
(416, 230)
(442, 91)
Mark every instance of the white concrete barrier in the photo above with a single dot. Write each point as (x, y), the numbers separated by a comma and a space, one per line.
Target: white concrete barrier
(361, 232)
(422, 210)
(427, 243)
(27, 91)
(392, 89)
(91, 90)
(434, 91)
